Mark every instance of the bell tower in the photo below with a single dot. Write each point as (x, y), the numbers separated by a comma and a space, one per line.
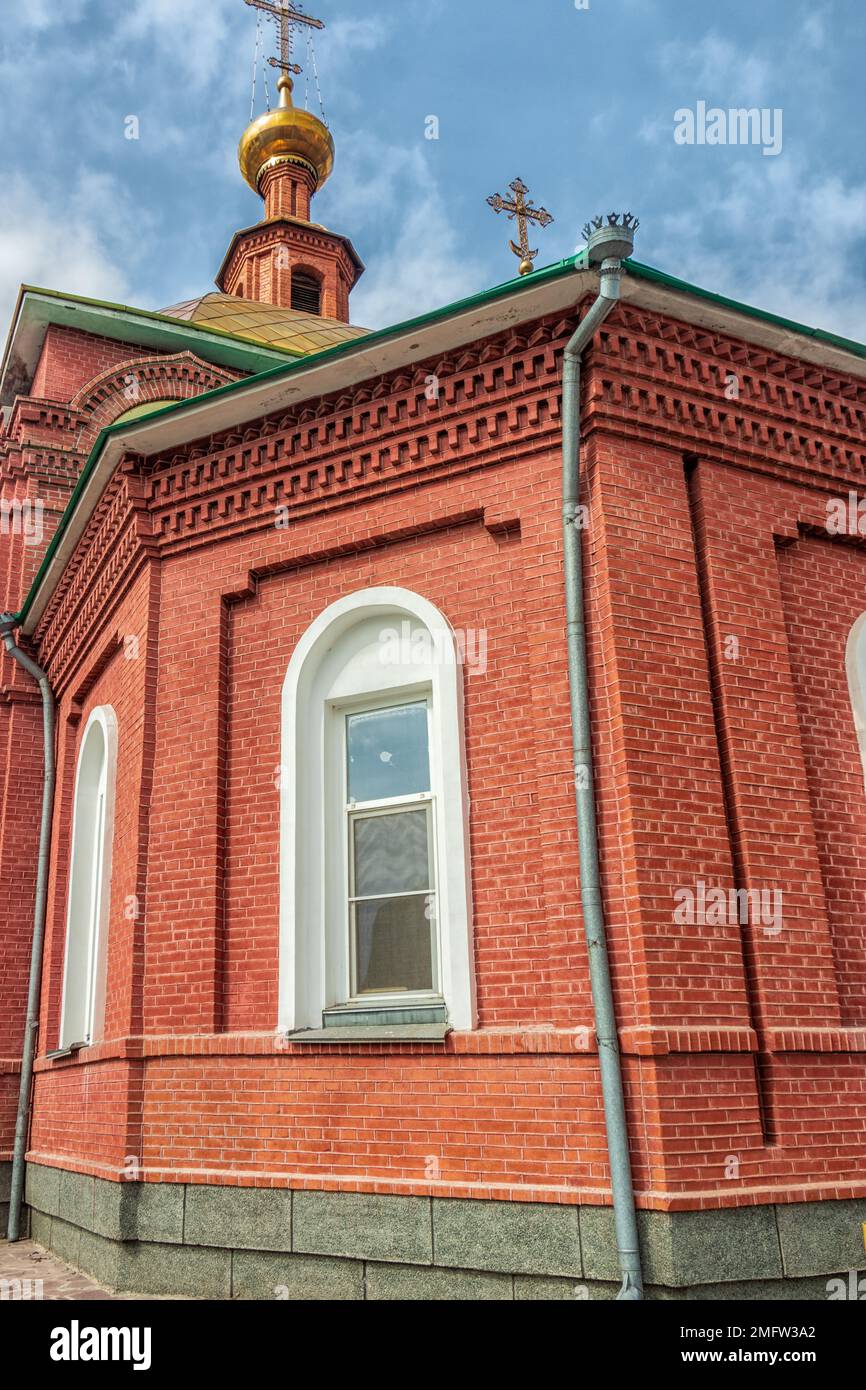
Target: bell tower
(285, 156)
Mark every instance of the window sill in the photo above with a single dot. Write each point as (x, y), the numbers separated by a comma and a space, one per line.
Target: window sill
(61, 1053)
(384, 1015)
(374, 1033)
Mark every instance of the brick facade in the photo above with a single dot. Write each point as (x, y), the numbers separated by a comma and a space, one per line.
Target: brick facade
(736, 764)
(81, 383)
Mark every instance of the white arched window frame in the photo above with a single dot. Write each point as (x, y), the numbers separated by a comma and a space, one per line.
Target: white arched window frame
(344, 664)
(855, 664)
(83, 1008)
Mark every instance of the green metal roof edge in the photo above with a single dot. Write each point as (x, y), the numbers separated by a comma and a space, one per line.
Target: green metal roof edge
(551, 272)
(182, 327)
(821, 335)
(63, 524)
(375, 336)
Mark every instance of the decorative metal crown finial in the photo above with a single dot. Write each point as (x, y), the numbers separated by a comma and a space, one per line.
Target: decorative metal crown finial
(627, 223)
(611, 239)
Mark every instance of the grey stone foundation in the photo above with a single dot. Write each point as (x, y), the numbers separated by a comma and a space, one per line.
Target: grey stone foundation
(264, 1243)
(5, 1183)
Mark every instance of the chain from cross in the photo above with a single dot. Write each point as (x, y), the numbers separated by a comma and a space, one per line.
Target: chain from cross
(286, 16)
(525, 212)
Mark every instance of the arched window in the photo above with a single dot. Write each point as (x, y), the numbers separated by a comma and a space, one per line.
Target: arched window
(855, 662)
(375, 915)
(89, 881)
(306, 292)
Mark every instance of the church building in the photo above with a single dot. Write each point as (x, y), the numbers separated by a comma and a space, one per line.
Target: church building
(432, 779)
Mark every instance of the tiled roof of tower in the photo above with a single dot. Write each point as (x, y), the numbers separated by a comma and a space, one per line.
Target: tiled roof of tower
(265, 323)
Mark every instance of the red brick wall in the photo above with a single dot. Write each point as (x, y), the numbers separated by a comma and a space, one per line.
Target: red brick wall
(823, 595)
(514, 953)
(20, 804)
(71, 358)
(41, 455)
(744, 1049)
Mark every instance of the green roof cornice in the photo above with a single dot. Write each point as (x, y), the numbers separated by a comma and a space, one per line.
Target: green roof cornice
(38, 308)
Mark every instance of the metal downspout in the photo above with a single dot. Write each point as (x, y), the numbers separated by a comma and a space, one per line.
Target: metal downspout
(610, 1067)
(31, 1027)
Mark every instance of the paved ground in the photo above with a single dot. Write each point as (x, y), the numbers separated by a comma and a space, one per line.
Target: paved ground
(25, 1261)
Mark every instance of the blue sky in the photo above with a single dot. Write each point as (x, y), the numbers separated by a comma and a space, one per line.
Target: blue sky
(579, 102)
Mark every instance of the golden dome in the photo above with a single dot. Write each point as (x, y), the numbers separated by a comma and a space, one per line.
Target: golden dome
(287, 135)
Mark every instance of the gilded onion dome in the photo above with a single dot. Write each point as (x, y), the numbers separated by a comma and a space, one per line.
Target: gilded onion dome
(286, 135)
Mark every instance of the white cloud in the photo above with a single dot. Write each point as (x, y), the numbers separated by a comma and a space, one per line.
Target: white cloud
(419, 263)
(785, 234)
(206, 38)
(42, 14)
(805, 232)
(717, 69)
(815, 29)
(346, 38)
(374, 178)
(339, 52)
(191, 35)
(62, 240)
(421, 270)
(653, 129)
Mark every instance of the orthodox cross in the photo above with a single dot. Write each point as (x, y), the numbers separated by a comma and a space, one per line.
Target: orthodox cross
(287, 16)
(523, 210)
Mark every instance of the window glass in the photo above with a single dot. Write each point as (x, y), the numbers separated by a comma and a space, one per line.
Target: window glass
(393, 947)
(391, 854)
(87, 886)
(387, 753)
